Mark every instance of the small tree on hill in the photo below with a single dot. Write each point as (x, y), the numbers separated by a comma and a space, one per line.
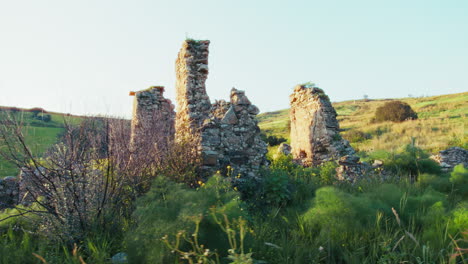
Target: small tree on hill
(395, 111)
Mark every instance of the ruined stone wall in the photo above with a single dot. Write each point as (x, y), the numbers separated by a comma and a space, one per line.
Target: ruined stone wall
(231, 137)
(9, 192)
(227, 132)
(315, 133)
(193, 103)
(223, 134)
(153, 118)
(451, 157)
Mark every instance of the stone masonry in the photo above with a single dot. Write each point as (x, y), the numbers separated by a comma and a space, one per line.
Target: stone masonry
(315, 132)
(351, 169)
(9, 192)
(193, 103)
(231, 137)
(451, 157)
(227, 132)
(153, 118)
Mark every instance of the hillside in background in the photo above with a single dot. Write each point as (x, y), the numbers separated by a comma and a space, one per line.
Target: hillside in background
(442, 122)
(41, 130)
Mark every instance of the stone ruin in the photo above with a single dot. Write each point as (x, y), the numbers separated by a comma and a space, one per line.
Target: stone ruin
(152, 120)
(9, 192)
(231, 136)
(226, 133)
(315, 133)
(193, 103)
(451, 157)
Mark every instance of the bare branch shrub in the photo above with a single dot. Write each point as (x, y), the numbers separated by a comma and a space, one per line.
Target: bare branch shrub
(74, 182)
(154, 151)
(89, 179)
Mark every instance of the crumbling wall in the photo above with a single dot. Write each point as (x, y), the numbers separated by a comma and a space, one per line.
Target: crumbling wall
(224, 134)
(153, 119)
(9, 192)
(231, 137)
(315, 132)
(227, 132)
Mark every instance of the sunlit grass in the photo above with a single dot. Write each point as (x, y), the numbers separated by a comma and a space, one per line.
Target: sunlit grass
(442, 122)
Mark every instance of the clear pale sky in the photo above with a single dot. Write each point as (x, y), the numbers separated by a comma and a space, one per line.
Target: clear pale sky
(84, 56)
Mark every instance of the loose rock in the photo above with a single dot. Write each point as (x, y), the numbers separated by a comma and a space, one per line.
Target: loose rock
(451, 157)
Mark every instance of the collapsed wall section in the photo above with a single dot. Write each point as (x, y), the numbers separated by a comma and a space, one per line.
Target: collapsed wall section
(315, 133)
(451, 157)
(231, 137)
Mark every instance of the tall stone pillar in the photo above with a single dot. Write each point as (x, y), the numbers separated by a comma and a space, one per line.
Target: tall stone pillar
(193, 103)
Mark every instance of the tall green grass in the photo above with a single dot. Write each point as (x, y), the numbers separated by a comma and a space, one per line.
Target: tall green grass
(318, 221)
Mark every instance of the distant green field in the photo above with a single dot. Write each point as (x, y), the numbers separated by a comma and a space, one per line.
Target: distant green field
(275, 123)
(39, 135)
(443, 122)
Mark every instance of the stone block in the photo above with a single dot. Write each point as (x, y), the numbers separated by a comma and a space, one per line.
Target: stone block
(210, 158)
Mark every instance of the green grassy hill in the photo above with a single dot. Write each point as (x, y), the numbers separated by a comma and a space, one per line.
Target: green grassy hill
(39, 132)
(442, 122)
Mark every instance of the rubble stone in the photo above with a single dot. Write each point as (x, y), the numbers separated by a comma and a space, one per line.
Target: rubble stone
(231, 134)
(350, 168)
(451, 157)
(284, 149)
(9, 192)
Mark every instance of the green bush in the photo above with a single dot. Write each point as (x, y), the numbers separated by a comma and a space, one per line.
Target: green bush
(410, 161)
(395, 111)
(440, 182)
(302, 181)
(458, 221)
(272, 190)
(459, 179)
(355, 136)
(326, 218)
(328, 172)
(277, 189)
(273, 140)
(169, 208)
(399, 220)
